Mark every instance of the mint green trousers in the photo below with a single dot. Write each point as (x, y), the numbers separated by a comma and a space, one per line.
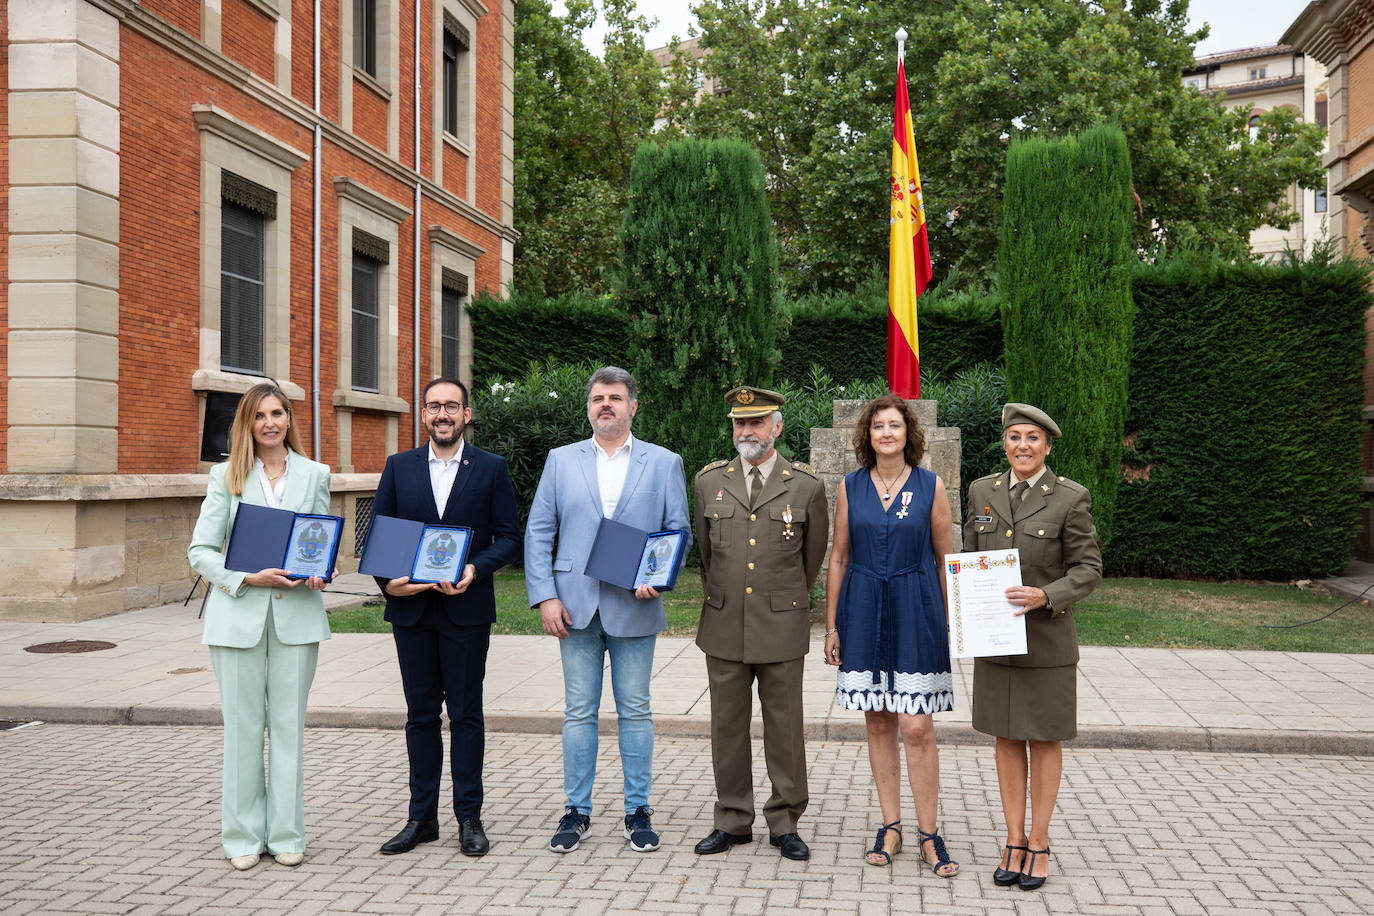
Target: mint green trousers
(263, 691)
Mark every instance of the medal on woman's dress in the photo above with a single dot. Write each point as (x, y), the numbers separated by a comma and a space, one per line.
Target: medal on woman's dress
(906, 501)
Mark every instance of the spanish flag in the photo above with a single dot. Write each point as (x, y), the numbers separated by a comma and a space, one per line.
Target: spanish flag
(908, 260)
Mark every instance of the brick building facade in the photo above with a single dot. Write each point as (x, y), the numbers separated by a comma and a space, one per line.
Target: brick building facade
(205, 193)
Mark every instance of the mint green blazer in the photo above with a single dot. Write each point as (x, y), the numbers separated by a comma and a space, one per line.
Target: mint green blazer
(236, 613)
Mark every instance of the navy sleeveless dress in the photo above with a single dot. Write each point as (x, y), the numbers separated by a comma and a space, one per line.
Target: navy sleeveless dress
(893, 636)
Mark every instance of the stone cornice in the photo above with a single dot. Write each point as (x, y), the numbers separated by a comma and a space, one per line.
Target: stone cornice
(136, 18)
(474, 7)
(348, 399)
(368, 199)
(219, 122)
(438, 235)
(239, 383)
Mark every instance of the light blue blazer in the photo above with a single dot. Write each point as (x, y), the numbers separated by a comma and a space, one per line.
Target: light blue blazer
(563, 521)
(236, 613)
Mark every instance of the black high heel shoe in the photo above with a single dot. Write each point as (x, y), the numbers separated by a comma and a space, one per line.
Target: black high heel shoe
(1005, 877)
(1027, 881)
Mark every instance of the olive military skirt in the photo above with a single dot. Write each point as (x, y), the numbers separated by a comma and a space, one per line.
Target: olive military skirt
(1025, 704)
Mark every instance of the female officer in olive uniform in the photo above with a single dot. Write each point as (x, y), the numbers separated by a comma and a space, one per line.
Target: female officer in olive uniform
(1030, 702)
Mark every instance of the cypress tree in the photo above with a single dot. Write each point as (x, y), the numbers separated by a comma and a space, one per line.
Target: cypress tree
(698, 282)
(1064, 263)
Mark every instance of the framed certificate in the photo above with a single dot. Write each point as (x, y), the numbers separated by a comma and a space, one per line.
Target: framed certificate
(659, 563)
(626, 556)
(313, 547)
(266, 538)
(441, 554)
(982, 622)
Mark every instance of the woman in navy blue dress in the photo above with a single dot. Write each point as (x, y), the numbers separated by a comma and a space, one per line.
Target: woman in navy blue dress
(885, 618)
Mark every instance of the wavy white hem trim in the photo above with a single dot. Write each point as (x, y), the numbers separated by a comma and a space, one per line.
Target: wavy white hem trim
(912, 694)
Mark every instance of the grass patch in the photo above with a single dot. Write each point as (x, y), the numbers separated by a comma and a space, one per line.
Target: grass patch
(1181, 614)
(1167, 613)
(514, 616)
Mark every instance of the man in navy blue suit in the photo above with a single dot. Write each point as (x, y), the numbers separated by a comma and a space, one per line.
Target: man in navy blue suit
(442, 630)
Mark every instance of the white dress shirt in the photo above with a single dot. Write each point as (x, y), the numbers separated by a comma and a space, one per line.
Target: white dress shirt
(272, 491)
(442, 474)
(611, 471)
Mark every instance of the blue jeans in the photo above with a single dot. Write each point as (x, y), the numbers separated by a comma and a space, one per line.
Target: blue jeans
(632, 660)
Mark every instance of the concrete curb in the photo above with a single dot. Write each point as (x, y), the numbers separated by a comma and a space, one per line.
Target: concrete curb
(1209, 740)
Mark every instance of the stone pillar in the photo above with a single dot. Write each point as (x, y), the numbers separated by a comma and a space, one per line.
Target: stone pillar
(832, 453)
(62, 387)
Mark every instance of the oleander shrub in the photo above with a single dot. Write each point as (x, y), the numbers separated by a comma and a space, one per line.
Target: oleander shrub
(523, 417)
(1064, 265)
(972, 401)
(1243, 424)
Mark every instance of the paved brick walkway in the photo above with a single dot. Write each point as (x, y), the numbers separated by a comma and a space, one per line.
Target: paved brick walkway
(111, 819)
(159, 673)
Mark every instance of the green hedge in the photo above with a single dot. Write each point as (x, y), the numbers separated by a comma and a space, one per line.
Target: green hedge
(840, 331)
(510, 334)
(1243, 422)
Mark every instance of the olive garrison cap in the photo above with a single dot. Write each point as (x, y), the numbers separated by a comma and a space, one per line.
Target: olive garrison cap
(1024, 413)
(747, 401)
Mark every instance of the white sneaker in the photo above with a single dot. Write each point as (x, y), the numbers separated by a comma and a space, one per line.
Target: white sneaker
(243, 863)
(290, 859)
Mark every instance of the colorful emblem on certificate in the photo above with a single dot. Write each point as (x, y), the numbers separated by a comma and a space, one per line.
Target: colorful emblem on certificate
(658, 564)
(313, 546)
(442, 552)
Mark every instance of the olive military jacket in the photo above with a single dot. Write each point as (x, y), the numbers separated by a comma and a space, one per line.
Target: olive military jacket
(758, 565)
(1059, 553)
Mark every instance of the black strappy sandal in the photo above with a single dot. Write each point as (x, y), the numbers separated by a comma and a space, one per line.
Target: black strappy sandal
(1027, 881)
(944, 866)
(878, 849)
(1005, 877)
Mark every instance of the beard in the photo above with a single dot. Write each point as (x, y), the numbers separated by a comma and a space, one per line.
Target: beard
(752, 448)
(445, 439)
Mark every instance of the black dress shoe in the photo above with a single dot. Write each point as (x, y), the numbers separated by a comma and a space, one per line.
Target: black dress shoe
(792, 846)
(473, 839)
(719, 841)
(412, 834)
(1027, 881)
(1005, 877)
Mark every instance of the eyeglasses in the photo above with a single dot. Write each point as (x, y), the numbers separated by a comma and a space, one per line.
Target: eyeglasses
(452, 408)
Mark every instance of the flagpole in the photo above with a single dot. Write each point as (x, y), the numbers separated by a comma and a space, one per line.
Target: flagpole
(901, 43)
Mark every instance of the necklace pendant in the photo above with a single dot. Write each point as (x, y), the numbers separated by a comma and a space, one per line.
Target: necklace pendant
(886, 497)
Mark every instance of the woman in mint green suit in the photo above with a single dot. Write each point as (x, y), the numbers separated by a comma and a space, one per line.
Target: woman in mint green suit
(264, 632)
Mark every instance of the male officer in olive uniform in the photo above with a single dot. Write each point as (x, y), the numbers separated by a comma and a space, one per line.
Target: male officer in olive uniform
(762, 529)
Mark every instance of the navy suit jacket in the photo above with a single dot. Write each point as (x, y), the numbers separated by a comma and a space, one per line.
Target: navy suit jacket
(482, 499)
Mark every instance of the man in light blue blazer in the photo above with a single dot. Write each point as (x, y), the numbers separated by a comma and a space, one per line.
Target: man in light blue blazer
(611, 475)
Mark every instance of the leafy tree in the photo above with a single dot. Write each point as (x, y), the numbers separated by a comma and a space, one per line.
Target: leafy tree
(578, 120)
(810, 84)
(1065, 267)
(698, 280)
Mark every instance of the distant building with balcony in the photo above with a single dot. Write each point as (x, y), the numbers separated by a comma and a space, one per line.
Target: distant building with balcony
(1259, 80)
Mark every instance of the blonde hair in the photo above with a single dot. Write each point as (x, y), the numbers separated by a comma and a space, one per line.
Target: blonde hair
(242, 449)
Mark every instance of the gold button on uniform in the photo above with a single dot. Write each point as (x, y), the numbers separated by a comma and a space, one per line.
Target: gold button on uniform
(749, 590)
(751, 565)
(1041, 532)
(1008, 532)
(753, 517)
(751, 542)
